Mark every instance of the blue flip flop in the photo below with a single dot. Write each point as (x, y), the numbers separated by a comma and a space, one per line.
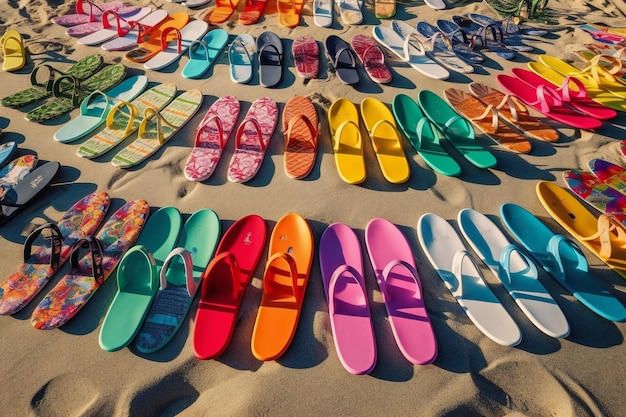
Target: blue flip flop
(562, 259)
(203, 53)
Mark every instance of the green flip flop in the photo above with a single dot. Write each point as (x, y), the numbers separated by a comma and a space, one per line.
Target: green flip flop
(138, 279)
(81, 70)
(422, 136)
(68, 98)
(456, 129)
(181, 277)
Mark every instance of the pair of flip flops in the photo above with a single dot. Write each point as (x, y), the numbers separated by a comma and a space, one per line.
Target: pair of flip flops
(87, 11)
(13, 51)
(158, 279)
(96, 22)
(342, 271)
(269, 48)
(343, 120)
(442, 49)
(119, 27)
(344, 59)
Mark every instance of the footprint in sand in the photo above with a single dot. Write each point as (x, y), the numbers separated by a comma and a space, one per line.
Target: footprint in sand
(65, 395)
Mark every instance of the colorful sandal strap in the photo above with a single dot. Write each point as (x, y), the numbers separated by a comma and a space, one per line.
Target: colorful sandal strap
(56, 242)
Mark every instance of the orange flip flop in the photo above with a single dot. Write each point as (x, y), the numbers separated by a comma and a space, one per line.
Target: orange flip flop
(485, 117)
(152, 46)
(252, 12)
(300, 128)
(289, 12)
(222, 12)
(284, 283)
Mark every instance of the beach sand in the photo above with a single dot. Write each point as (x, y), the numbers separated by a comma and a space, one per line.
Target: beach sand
(64, 372)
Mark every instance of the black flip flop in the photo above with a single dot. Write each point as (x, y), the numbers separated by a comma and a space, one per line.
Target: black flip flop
(343, 59)
(270, 49)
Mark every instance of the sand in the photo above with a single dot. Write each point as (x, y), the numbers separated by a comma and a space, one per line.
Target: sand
(64, 372)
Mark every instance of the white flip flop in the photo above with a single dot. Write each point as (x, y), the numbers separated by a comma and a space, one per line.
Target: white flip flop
(171, 51)
(136, 32)
(113, 25)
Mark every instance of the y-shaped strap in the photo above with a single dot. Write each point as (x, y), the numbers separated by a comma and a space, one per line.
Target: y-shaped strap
(504, 271)
(340, 52)
(494, 116)
(567, 94)
(199, 43)
(413, 41)
(398, 263)
(541, 101)
(220, 129)
(377, 125)
(96, 251)
(294, 120)
(293, 273)
(56, 89)
(51, 76)
(131, 116)
(179, 39)
(345, 272)
(56, 242)
(257, 129)
(458, 262)
(448, 127)
(607, 223)
(192, 285)
(512, 103)
(84, 105)
(231, 49)
(556, 245)
(235, 273)
(118, 22)
(148, 114)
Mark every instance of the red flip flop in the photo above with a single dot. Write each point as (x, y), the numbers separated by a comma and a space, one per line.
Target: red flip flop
(225, 281)
(306, 57)
(372, 58)
(547, 101)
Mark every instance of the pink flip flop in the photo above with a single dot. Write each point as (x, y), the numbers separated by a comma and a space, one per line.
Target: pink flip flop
(372, 58)
(213, 133)
(392, 260)
(306, 57)
(341, 265)
(547, 100)
(224, 284)
(253, 137)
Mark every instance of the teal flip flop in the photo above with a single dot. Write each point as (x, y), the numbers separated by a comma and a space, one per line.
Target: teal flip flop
(203, 53)
(180, 277)
(456, 129)
(421, 135)
(138, 279)
(562, 259)
(96, 106)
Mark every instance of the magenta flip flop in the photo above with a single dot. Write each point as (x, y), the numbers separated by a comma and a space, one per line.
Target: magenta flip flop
(399, 282)
(341, 264)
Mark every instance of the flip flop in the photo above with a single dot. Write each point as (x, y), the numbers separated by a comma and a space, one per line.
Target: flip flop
(422, 136)
(223, 10)
(578, 99)
(456, 129)
(487, 37)
(203, 53)
(596, 193)
(67, 100)
(172, 50)
(458, 270)
(81, 70)
(562, 259)
(15, 171)
(290, 256)
(372, 58)
(240, 53)
(149, 48)
(306, 57)
(81, 220)
(180, 279)
(547, 101)
(6, 151)
(386, 140)
(508, 39)
(93, 13)
(609, 173)
(343, 121)
(225, 282)
(253, 138)
(96, 24)
(138, 279)
(394, 266)
(508, 25)
(137, 31)
(301, 131)
(441, 48)
(604, 236)
(384, 9)
(462, 44)
(88, 273)
(95, 108)
(341, 265)
(270, 48)
(289, 12)
(27, 190)
(517, 273)
(120, 124)
(485, 117)
(606, 63)
(323, 13)
(119, 27)
(350, 11)
(592, 89)
(153, 134)
(211, 137)
(408, 47)
(514, 112)
(343, 60)
(252, 12)
(13, 51)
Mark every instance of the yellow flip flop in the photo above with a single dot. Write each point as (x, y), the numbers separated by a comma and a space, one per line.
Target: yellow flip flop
(13, 50)
(343, 120)
(386, 140)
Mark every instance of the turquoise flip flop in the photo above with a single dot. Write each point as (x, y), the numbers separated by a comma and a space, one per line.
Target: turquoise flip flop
(138, 279)
(562, 259)
(95, 108)
(203, 53)
(455, 128)
(421, 135)
(180, 277)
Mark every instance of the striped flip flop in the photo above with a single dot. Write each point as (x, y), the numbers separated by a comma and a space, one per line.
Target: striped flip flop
(301, 130)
